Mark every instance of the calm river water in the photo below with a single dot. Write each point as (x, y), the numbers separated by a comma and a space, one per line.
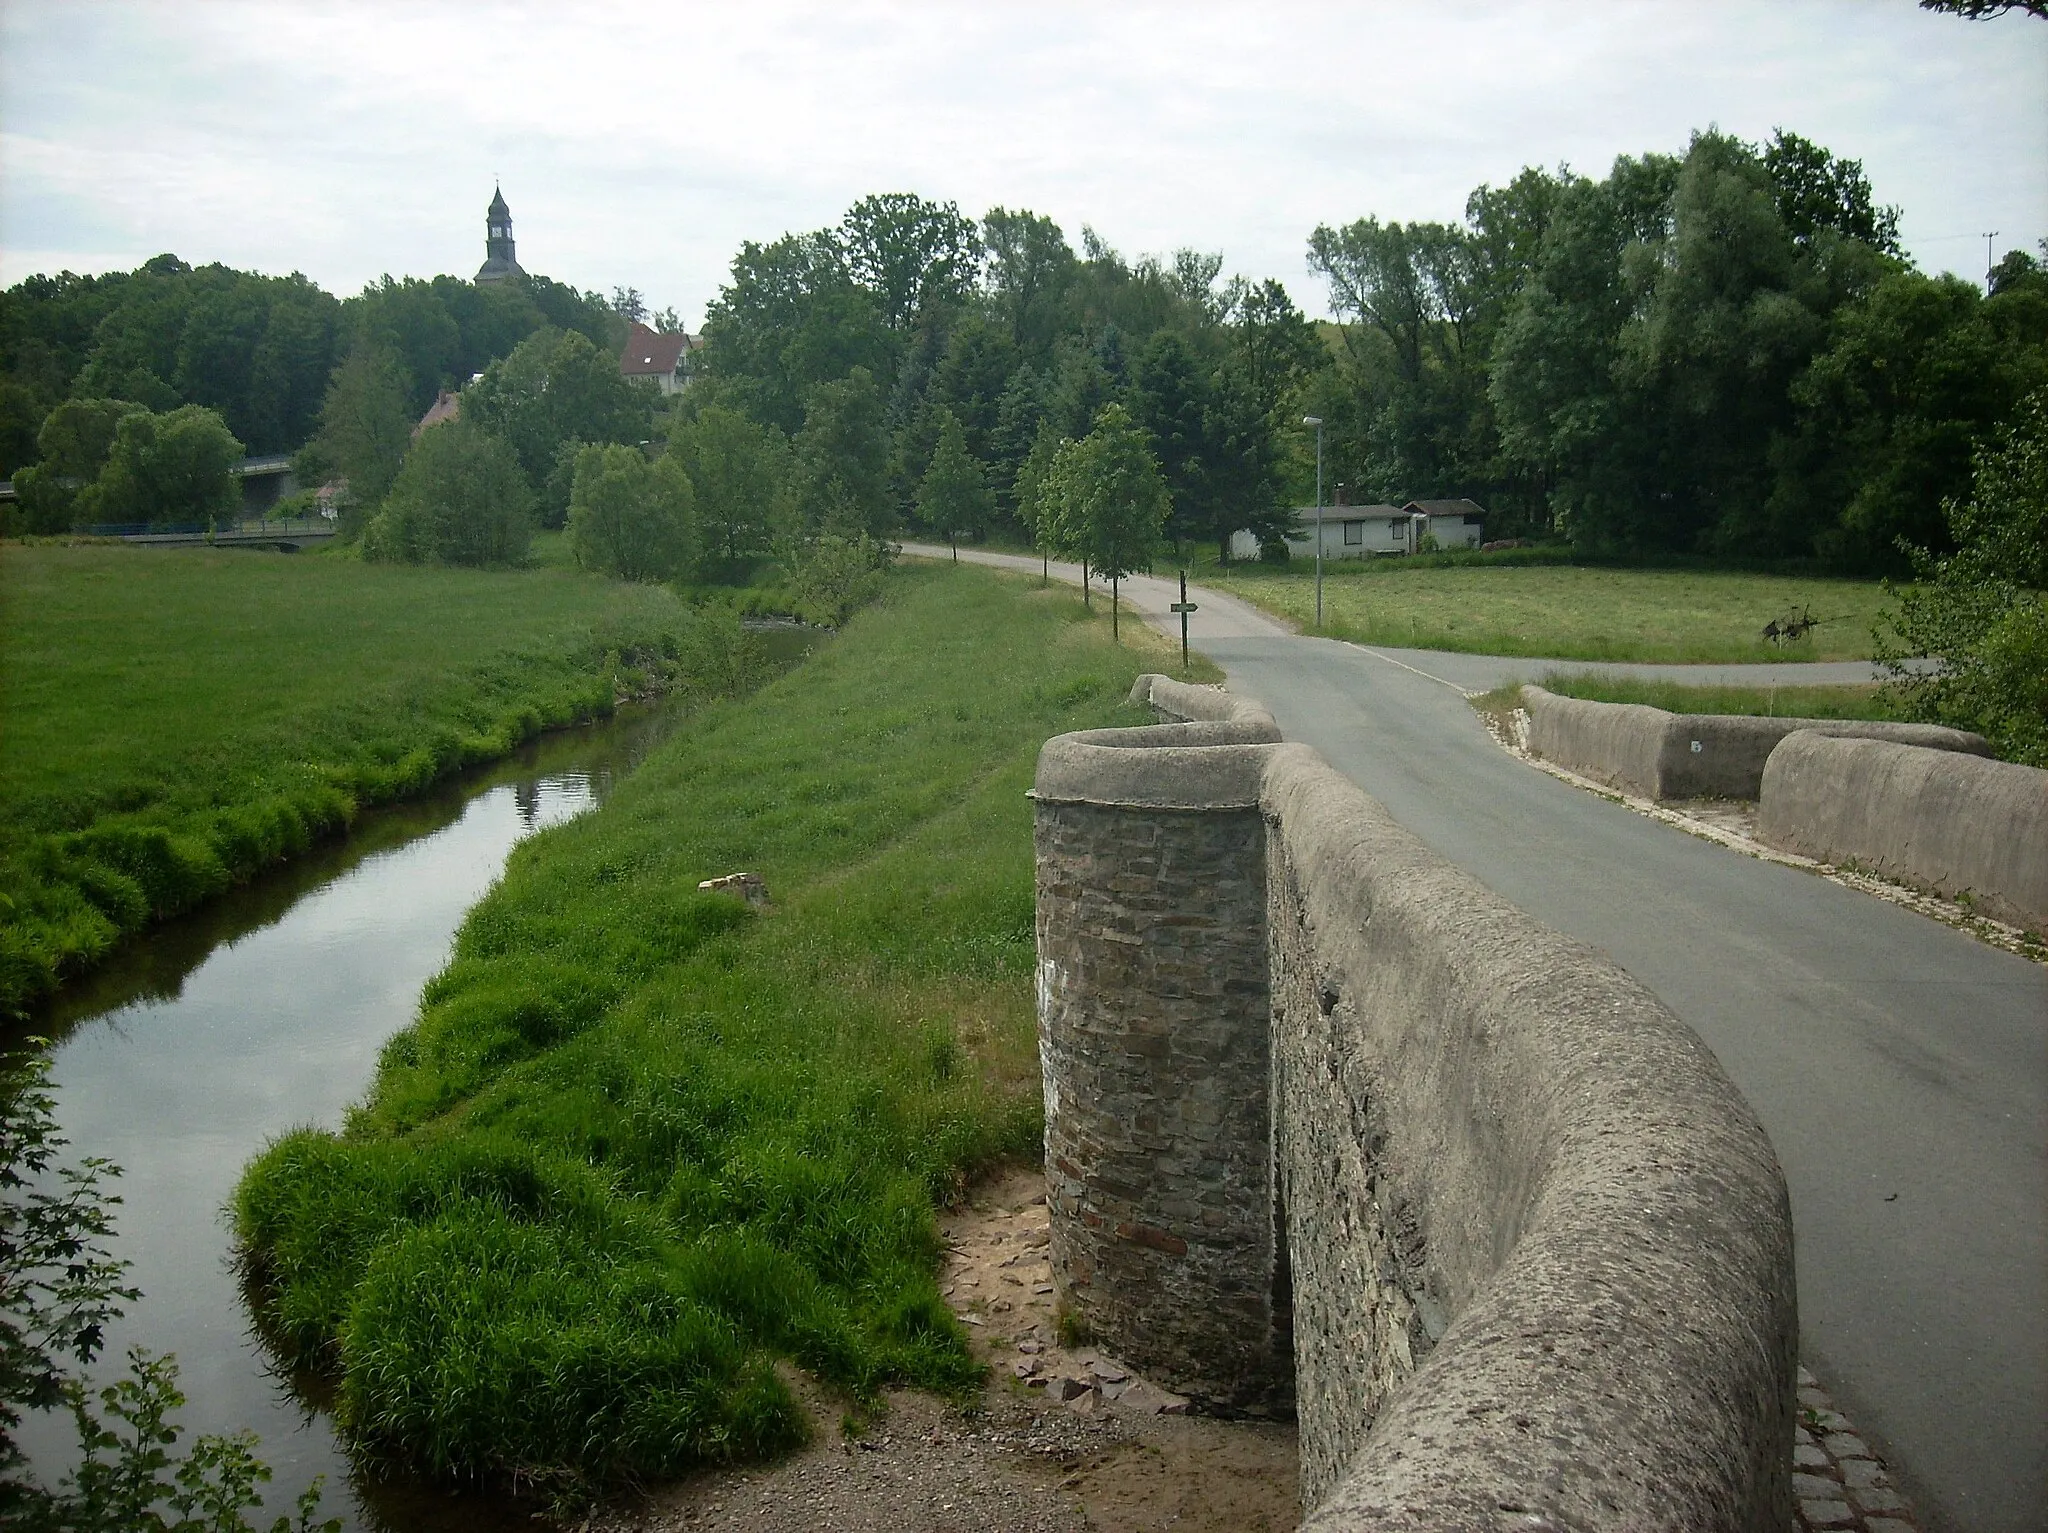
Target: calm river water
(264, 1012)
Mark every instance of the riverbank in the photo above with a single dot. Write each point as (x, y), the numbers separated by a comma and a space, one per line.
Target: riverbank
(176, 722)
(643, 1142)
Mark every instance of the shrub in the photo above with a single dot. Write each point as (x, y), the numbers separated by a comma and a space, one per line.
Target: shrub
(1982, 612)
(460, 498)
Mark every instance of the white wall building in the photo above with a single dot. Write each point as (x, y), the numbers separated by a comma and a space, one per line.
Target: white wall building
(1359, 532)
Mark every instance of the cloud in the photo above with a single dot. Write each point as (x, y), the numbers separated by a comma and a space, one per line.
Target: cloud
(640, 145)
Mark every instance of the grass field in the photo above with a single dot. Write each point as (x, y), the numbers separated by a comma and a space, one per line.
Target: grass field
(176, 720)
(642, 1142)
(1796, 702)
(1566, 612)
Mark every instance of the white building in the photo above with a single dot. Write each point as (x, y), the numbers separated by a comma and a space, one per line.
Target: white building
(1359, 532)
(662, 360)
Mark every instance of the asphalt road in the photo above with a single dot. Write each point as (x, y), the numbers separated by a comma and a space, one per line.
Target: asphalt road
(1900, 1067)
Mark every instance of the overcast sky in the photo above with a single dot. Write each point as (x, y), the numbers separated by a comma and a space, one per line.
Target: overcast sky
(640, 144)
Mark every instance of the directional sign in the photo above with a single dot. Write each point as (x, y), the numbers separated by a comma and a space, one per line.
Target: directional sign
(1183, 606)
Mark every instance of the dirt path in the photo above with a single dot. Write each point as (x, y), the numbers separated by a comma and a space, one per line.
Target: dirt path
(1061, 1440)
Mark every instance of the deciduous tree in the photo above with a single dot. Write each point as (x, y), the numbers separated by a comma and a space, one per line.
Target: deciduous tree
(842, 459)
(460, 498)
(632, 518)
(1113, 501)
(741, 470)
(167, 469)
(953, 497)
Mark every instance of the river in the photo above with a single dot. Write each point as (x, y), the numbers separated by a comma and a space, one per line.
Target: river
(265, 1011)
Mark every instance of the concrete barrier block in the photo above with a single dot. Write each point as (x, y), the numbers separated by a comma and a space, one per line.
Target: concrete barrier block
(1956, 824)
(1658, 755)
(1613, 743)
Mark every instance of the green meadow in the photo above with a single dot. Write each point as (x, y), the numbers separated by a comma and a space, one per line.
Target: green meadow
(1565, 612)
(176, 720)
(1792, 702)
(643, 1143)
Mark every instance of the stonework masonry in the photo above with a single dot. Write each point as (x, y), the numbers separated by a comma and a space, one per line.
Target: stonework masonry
(1157, 1141)
(1327, 1121)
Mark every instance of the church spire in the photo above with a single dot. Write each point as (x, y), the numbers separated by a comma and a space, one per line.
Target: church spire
(500, 264)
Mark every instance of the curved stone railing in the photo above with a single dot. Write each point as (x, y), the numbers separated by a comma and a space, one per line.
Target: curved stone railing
(1660, 755)
(1326, 1119)
(1958, 825)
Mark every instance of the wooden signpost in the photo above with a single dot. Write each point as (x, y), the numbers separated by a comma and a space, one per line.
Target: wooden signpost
(1183, 607)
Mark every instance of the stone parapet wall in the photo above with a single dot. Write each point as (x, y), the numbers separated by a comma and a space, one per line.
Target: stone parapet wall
(1658, 755)
(1540, 1247)
(1958, 825)
(1303, 1076)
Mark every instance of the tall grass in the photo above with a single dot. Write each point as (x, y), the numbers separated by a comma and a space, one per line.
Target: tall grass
(643, 1142)
(175, 721)
(1790, 702)
(1566, 612)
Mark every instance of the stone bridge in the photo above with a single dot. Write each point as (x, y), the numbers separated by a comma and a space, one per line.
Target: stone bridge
(1333, 1129)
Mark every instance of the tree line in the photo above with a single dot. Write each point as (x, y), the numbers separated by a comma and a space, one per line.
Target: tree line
(1719, 354)
(277, 363)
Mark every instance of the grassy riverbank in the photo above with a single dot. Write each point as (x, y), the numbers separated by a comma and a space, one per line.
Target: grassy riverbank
(643, 1143)
(1567, 612)
(176, 721)
(1792, 702)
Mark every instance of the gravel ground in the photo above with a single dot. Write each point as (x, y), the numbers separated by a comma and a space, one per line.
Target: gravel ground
(1060, 1440)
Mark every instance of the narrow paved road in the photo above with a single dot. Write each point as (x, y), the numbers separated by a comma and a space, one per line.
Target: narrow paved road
(1901, 1068)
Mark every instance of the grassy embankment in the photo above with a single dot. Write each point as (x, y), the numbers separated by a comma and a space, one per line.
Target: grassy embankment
(175, 721)
(641, 1143)
(1792, 702)
(1565, 612)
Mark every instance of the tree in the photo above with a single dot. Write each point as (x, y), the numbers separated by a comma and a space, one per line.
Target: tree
(741, 471)
(910, 253)
(60, 1287)
(166, 470)
(366, 422)
(1887, 418)
(628, 304)
(1029, 269)
(557, 387)
(1038, 496)
(1983, 611)
(73, 446)
(1113, 500)
(630, 518)
(460, 498)
(842, 459)
(792, 317)
(953, 497)
(1985, 10)
(1816, 193)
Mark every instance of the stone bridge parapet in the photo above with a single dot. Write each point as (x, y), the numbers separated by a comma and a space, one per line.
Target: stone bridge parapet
(1330, 1127)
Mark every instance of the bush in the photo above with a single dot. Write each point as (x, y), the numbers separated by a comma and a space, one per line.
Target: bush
(1981, 612)
(460, 498)
(630, 518)
(59, 1288)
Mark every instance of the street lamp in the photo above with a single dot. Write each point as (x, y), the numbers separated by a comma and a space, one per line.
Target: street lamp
(1317, 422)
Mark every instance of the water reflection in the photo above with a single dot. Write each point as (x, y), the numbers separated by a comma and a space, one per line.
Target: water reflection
(263, 1013)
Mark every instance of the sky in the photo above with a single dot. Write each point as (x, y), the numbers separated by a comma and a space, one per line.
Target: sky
(638, 145)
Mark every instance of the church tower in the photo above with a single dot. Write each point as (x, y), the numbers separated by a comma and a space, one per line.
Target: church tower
(500, 265)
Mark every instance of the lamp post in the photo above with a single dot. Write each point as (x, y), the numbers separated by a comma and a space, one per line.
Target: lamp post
(1317, 422)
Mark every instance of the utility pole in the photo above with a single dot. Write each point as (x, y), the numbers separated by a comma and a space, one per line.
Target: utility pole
(1317, 422)
(1989, 236)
